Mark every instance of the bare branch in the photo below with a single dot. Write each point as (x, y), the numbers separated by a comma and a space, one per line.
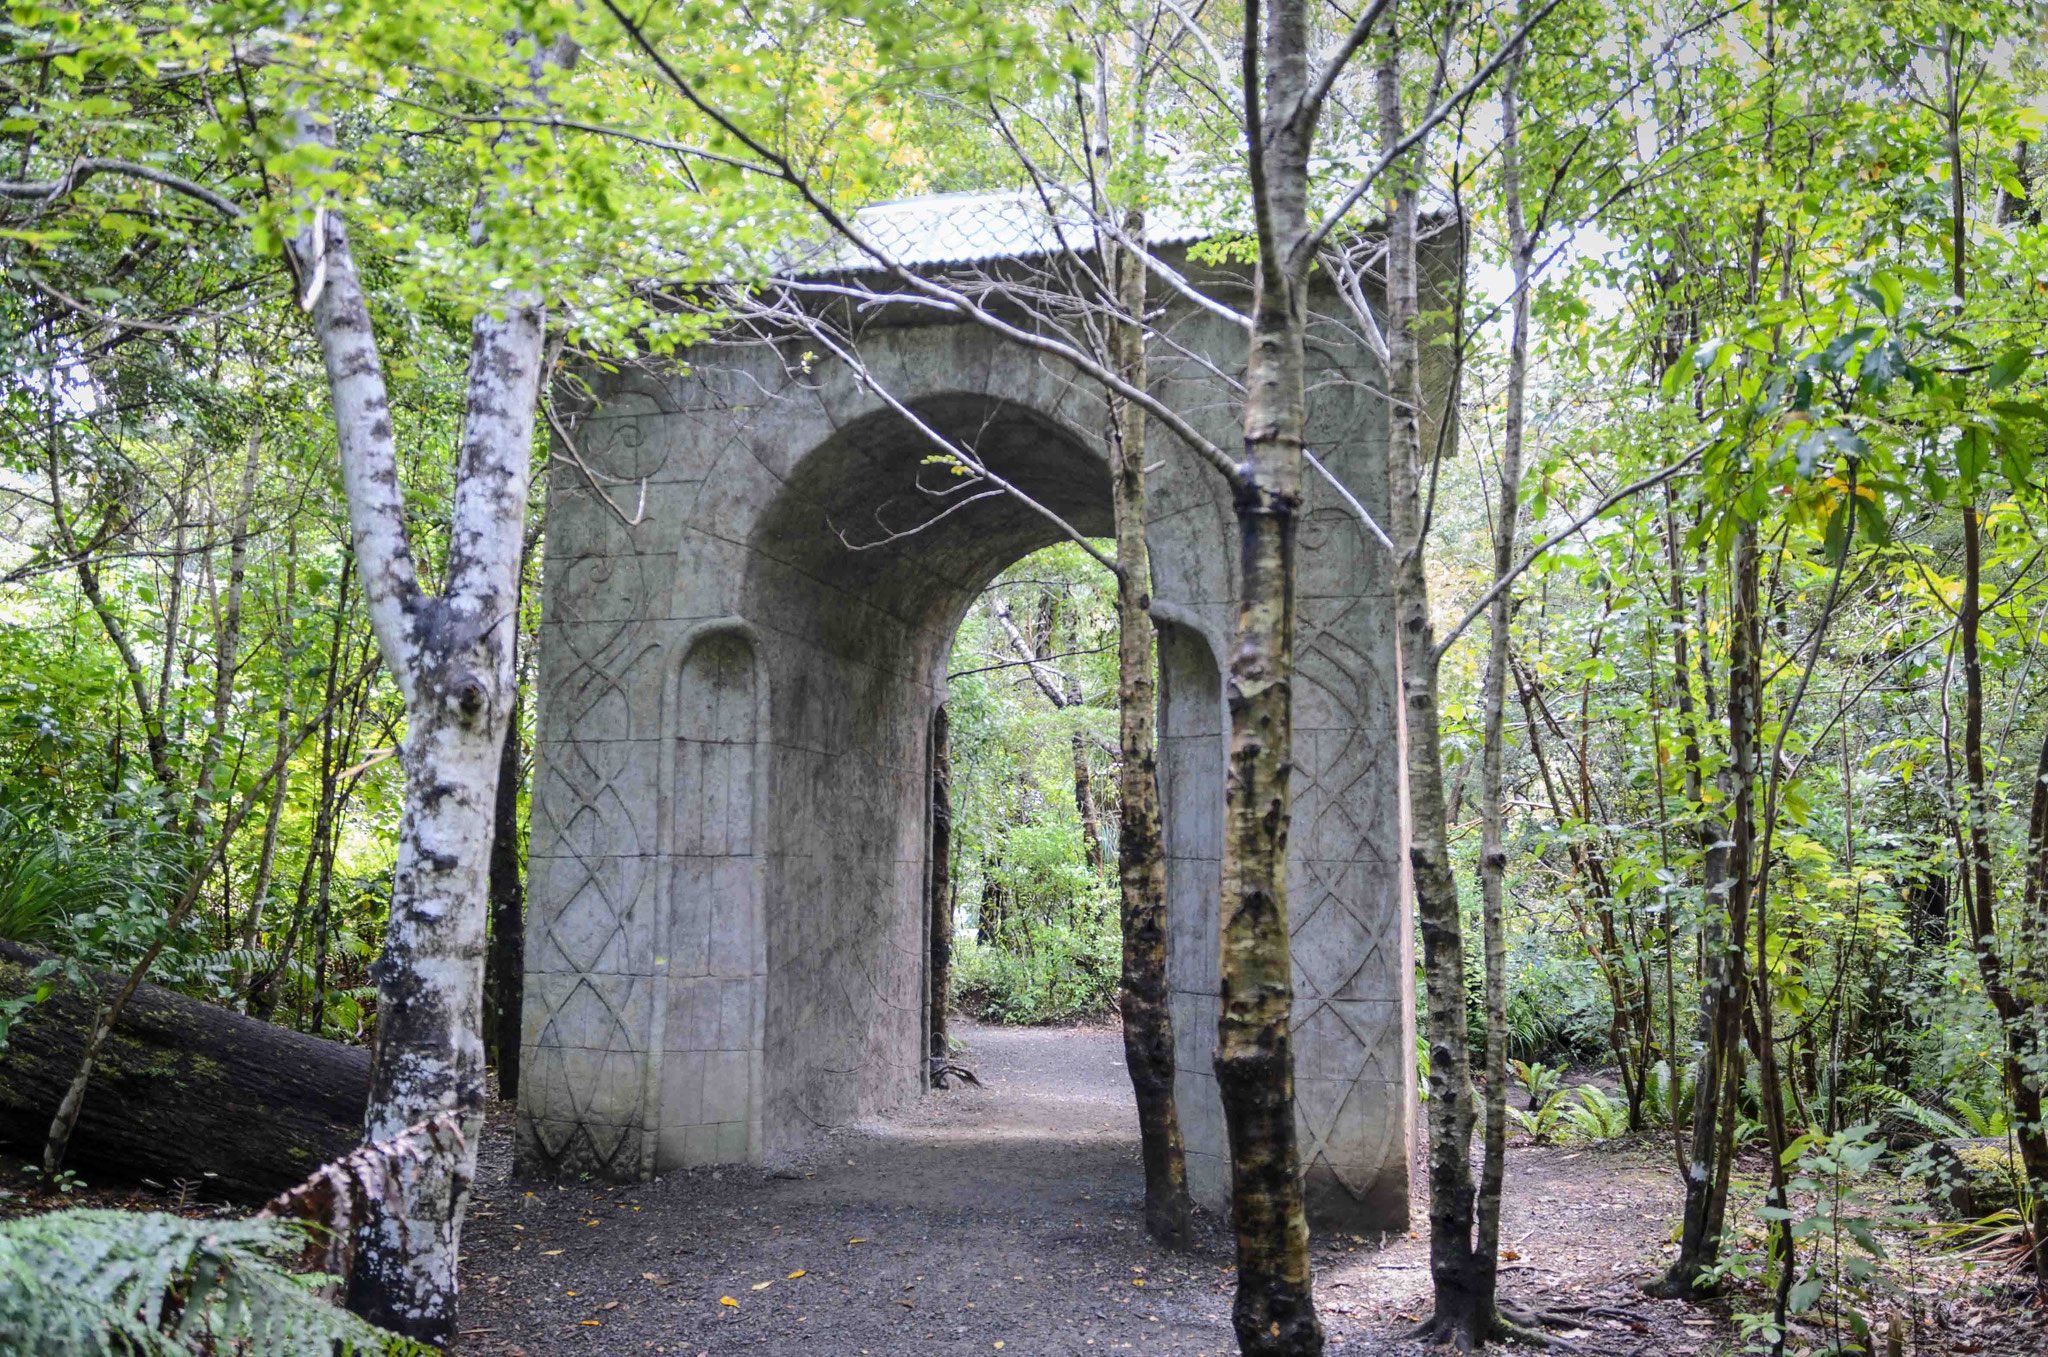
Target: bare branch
(1351, 500)
(1423, 127)
(49, 190)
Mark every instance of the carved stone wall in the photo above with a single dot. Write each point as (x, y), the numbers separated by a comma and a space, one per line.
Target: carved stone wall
(726, 938)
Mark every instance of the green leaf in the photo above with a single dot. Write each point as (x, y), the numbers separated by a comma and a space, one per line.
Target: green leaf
(1679, 374)
(1973, 454)
(2008, 367)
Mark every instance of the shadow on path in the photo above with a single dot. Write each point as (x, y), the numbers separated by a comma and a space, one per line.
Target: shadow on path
(1004, 1218)
(1000, 1218)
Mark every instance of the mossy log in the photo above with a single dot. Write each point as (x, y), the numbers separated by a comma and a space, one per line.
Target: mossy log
(184, 1090)
(1972, 1179)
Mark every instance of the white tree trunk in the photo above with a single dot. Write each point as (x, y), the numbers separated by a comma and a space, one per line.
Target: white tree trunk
(451, 655)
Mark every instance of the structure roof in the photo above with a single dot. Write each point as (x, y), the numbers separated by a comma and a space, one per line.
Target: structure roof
(969, 228)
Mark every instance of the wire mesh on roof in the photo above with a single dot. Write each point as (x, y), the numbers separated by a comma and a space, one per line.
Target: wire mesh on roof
(972, 228)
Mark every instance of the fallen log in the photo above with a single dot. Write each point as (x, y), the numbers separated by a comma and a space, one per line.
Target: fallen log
(184, 1090)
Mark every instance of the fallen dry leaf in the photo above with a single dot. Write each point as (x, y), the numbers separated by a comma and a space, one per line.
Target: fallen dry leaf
(796, 1274)
(728, 1300)
(549, 1253)
(763, 1286)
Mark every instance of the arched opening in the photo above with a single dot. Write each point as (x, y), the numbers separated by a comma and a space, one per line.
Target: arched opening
(859, 574)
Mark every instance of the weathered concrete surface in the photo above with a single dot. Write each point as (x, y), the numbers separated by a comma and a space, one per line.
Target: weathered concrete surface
(725, 944)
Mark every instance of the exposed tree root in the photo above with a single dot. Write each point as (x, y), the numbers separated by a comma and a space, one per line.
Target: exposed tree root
(1670, 1288)
(960, 1072)
(1511, 1322)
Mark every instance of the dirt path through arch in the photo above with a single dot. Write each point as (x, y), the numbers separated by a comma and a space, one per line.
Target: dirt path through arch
(1002, 1218)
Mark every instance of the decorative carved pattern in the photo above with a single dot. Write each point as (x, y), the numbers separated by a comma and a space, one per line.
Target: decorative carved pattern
(588, 994)
(1344, 893)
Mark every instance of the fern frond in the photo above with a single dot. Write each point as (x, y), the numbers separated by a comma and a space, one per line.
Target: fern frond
(1930, 1119)
(96, 1283)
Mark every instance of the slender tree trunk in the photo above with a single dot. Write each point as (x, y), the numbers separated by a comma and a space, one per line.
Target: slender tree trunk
(992, 917)
(1723, 998)
(1464, 1314)
(146, 708)
(266, 860)
(327, 819)
(174, 598)
(1141, 852)
(1493, 858)
(505, 967)
(2020, 1016)
(227, 645)
(1275, 1308)
(1084, 786)
(109, 1015)
(938, 1041)
(266, 854)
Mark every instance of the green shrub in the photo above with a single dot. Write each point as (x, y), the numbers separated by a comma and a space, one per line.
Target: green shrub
(50, 881)
(1597, 1117)
(1043, 973)
(1542, 1122)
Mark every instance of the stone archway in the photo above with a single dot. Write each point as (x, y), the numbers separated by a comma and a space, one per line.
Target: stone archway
(726, 933)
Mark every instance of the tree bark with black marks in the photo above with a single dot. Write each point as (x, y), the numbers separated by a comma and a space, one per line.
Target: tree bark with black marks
(1724, 994)
(1464, 1314)
(2019, 1010)
(451, 654)
(1141, 844)
(1274, 1311)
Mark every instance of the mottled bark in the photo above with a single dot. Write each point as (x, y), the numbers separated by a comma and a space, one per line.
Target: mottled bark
(1141, 848)
(1085, 808)
(1724, 936)
(1275, 1308)
(2019, 1011)
(1749, 686)
(1464, 1313)
(451, 655)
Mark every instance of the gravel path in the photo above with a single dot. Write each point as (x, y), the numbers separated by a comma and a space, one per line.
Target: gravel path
(1004, 1218)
